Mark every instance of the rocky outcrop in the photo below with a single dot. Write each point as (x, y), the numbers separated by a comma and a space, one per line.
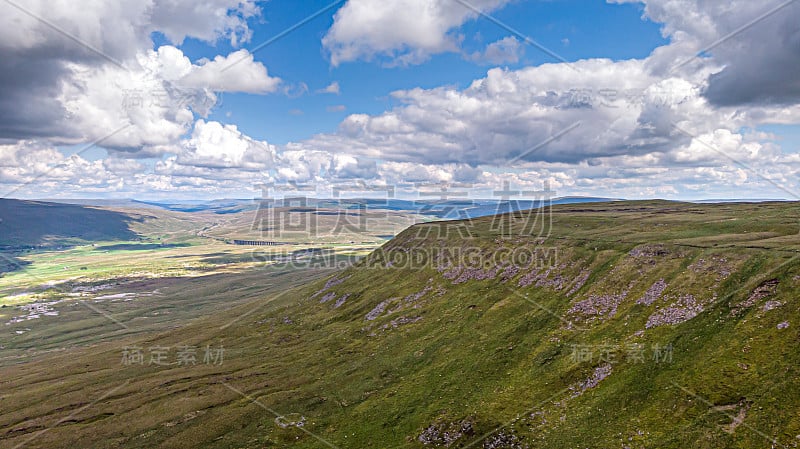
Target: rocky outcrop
(599, 374)
(444, 434)
(764, 290)
(653, 293)
(599, 306)
(684, 309)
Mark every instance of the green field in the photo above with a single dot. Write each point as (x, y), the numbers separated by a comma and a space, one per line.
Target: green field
(631, 324)
(63, 284)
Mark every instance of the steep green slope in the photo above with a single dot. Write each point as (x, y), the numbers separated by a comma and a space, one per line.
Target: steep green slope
(636, 324)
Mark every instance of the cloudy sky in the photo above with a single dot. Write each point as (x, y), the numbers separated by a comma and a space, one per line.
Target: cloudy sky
(681, 99)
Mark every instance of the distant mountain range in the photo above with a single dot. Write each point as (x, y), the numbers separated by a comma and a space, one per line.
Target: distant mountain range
(441, 209)
(54, 223)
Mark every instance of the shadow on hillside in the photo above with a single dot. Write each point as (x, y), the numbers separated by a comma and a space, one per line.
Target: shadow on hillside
(9, 263)
(140, 246)
(36, 224)
(260, 255)
(223, 258)
(186, 256)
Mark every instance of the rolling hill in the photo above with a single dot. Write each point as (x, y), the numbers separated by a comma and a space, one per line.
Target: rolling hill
(37, 223)
(609, 325)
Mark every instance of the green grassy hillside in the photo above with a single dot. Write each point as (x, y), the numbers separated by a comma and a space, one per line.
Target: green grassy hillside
(609, 325)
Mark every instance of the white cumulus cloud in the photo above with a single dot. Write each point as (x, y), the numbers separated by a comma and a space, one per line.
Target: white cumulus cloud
(404, 31)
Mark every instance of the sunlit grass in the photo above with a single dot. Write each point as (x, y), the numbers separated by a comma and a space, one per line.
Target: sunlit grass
(493, 354)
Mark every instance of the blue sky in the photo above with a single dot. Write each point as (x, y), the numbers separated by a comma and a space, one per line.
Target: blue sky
(179, 99)
(573, 29)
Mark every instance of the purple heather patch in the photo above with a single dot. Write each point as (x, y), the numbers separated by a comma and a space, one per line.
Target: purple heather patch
(341, 300)
(327, 297)
(332, 282)
(378, 310)
(602, 306)
(653, 293)
(682, 310)
(579, 281)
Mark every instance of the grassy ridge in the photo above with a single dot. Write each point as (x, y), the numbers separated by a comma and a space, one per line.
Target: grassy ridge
(643, 324)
